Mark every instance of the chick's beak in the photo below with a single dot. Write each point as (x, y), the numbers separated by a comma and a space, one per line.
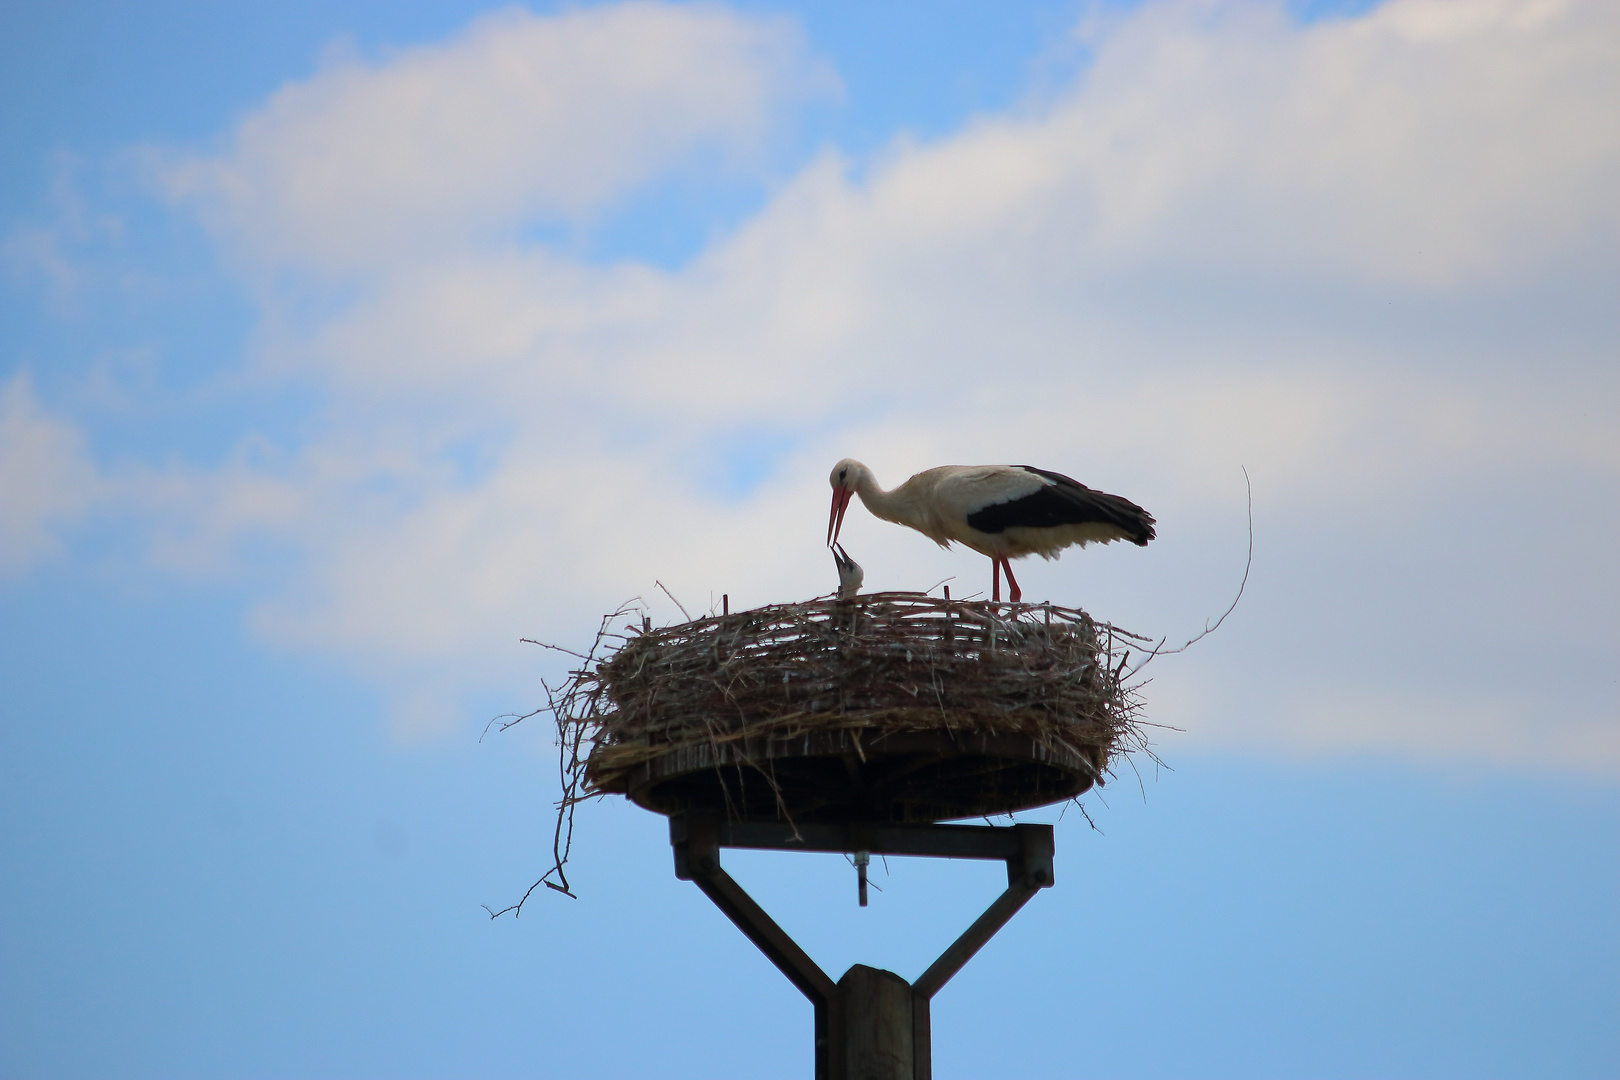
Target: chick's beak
(840, 503)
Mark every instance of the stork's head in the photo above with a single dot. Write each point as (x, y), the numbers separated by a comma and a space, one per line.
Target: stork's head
(845, 475)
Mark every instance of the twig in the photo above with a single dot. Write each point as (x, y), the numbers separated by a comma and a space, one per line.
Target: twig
(516, 719)
(1248, 564)
(558, 648)
(518, 907)
(678, 604)
(570, 763)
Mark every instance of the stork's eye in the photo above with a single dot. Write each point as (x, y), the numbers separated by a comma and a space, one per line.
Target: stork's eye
(842, 473)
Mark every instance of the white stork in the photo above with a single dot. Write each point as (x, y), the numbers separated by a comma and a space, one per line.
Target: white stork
(1003, 511)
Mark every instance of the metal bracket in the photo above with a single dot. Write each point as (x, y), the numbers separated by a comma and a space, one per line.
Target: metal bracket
(840, 1045)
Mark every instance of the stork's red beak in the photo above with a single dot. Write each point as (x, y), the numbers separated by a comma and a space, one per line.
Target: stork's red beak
(840, 503)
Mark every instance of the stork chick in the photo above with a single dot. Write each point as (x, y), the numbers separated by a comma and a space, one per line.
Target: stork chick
(850, 574)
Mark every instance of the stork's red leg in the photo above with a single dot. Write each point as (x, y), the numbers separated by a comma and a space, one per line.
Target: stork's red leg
(995, 579)
(1013, 592)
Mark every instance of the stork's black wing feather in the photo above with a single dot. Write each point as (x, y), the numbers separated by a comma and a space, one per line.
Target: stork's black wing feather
(1065, 501)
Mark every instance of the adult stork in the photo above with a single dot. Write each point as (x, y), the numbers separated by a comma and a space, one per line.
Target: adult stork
(1003, 511)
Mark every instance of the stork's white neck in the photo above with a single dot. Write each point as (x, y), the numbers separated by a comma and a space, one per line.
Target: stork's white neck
(901, 505)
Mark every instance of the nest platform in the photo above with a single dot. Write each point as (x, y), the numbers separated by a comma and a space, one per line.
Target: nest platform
(888, 707)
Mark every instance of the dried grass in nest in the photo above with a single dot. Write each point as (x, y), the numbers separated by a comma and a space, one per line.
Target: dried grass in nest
(878, 664)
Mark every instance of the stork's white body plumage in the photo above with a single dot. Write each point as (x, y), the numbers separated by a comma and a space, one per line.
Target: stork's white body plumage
(1002, 511)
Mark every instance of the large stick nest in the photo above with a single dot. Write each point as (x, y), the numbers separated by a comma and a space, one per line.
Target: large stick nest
(889, 706)
(884, 707)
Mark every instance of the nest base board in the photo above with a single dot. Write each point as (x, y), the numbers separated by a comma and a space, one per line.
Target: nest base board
(848, 775)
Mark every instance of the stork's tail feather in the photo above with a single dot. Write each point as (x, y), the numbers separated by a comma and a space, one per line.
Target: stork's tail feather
(1065, 501)
(1136, 522)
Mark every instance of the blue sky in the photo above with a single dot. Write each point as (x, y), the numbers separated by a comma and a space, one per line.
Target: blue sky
(343, 345)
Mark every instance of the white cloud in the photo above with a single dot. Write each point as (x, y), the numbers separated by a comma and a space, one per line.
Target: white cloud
(46, 250)
(46, 477)
(1431, 142)
(1356, 257)
(1437, 728)
(520, 118)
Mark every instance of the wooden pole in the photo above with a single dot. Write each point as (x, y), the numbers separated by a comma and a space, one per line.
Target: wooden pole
(877, 1030)
(871, 1024)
